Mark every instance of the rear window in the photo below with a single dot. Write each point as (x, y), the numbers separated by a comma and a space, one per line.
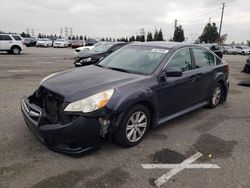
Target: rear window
(16, 37)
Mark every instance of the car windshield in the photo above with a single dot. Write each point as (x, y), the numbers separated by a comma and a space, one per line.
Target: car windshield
(135, 59)
(102, 48)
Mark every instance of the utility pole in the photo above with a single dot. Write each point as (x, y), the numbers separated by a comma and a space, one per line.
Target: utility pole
(221, 20)
(209, 20)
(175, 24)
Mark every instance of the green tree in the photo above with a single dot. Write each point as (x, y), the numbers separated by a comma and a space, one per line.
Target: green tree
(138, 38)
(210, 33)
(85, 38)
(179, 34)
(131, 39)
(69, 38)
(149, 36)
(156, 35)
(81, 37)
(248, 42)
(142, 37)
(160, 35)
(23, 34)
(39, 35)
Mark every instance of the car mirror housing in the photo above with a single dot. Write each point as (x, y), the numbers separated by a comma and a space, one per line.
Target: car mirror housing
(162, 76)
(173, 72)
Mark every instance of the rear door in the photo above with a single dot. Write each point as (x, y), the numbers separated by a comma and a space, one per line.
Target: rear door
(205, 71)
(5, 42)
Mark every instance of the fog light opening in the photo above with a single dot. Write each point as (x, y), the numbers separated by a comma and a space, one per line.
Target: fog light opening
(105, 122)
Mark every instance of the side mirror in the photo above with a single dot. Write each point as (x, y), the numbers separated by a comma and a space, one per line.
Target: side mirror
(173, 72)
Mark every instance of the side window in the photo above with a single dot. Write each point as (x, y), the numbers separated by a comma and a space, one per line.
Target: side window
(203, 58)
(16, 37)
(181, 59)
(5, 37)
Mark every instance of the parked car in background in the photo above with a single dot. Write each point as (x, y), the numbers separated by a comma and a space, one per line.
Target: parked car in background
(247, 66)
(229, 50)
(89, 57)
(29, 41)
(70, 42)
(10, 43)
(243, 50)
(61, 43)
(44, 42)
(140, 86)
(216, 48)
(79, 49)
(90, 42)
(76, 43)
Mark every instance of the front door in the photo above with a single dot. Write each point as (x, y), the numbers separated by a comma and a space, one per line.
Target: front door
(175, 93)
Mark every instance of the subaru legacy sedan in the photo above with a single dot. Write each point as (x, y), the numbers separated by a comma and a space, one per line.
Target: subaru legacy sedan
(140, 86)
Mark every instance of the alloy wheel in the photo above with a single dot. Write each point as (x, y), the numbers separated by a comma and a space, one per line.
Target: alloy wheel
(136, 126)
(216, 95)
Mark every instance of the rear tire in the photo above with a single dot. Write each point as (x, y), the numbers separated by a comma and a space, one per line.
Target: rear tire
(15, 50)
(133, 127)
(216, 96)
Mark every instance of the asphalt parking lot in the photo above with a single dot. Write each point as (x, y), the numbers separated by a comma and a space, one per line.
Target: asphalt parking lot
(222, 135)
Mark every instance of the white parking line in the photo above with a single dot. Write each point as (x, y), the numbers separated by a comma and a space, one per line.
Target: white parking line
(176, 168)
(44, 62)
(18, 70)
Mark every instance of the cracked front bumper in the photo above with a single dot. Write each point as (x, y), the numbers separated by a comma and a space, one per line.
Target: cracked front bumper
(80, 135)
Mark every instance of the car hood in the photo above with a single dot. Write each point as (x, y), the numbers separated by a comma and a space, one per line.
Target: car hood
(87, 53)
(82, 82)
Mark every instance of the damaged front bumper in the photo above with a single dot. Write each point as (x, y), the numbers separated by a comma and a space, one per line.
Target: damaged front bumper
(79, 135)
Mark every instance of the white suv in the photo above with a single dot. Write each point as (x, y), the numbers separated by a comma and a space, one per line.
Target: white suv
(243, 50)
(11, 43)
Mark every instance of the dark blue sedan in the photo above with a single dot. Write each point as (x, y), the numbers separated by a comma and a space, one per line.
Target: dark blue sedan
(141, 85)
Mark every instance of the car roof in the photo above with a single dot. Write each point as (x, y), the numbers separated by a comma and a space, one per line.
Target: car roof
(162, 44)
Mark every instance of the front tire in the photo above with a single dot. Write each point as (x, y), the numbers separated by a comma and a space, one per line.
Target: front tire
(216, 96)
(133, 127)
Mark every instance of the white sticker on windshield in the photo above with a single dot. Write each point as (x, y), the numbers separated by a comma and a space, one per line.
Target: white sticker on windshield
(157, 50)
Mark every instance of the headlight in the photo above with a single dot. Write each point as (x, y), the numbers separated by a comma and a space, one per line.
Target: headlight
(46, 78)
(91, 103)
(86, 60)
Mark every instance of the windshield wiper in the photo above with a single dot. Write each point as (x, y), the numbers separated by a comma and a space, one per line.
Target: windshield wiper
(98, 65)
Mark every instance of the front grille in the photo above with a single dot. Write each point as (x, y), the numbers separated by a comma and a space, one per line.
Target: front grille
(52, 104)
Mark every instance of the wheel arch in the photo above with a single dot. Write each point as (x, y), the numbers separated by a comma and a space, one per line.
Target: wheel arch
(147, 103)
(15, 45)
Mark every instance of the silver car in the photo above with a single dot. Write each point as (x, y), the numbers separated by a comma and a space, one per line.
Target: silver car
(229, 50)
